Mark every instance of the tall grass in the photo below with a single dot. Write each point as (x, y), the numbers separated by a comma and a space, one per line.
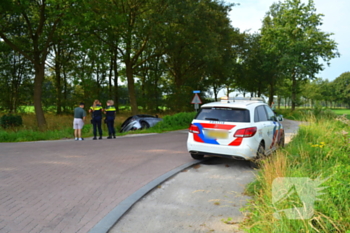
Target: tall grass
(57, 127)
(320, 150)
(61, 127)
(304, 114)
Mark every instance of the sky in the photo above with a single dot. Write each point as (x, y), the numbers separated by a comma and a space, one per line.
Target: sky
(250, 13)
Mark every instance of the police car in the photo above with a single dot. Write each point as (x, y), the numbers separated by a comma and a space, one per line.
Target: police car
(245, 129)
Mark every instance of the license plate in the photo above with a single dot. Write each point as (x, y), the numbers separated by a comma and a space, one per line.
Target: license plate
(218, 134)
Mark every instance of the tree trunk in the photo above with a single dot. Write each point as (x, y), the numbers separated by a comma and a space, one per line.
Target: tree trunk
(110, 86)
(131, 87)
(156, 107)
(65, 90)
(215, 93)
(294, 89)
(286, 103)
(116, 90)
(58, 80)
(279, 102)
(38, 83)
(271, 93)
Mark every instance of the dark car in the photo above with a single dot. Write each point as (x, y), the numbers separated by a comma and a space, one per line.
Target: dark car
(140, 121)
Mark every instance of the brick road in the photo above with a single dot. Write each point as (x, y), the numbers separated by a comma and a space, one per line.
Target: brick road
(69, 186)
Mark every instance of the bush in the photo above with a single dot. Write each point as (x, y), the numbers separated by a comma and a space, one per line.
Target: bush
(178, 121)
(7, 121)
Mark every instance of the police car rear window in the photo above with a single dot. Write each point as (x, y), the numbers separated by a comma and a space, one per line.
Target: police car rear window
(224, 114)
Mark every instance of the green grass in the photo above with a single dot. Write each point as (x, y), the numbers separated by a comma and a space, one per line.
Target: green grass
(60, 127)
(345, 112)
(304, 114)
(320, 150)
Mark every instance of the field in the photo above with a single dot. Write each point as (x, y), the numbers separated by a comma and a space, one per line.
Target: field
(342, 112)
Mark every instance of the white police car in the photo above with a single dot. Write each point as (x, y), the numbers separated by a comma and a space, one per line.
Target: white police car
(245, 129)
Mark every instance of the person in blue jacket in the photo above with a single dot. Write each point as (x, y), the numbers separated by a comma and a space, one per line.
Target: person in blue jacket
(110, 116)
(96, 113)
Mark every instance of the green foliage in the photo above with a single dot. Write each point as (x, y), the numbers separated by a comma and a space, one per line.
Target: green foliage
(37, 21)
(174, 122)
(341, 87)
(320, 150)
(8, 121)
(164, 53)
(290, 36)
(318, 112)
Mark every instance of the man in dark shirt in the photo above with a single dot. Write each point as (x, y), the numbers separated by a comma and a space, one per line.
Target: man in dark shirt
(78, 122)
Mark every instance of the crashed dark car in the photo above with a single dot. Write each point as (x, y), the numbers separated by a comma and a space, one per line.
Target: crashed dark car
(140, 121)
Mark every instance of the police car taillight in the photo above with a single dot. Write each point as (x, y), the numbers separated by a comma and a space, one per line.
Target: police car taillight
(246, 132)
(194, 129)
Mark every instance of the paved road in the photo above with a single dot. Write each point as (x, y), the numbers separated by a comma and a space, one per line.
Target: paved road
(198, 199)
(69, 186)
(195, 200)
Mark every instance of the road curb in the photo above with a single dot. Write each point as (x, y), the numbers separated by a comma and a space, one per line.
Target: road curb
(113, 217)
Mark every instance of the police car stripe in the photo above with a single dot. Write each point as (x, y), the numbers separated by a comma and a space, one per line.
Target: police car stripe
(236, 142)
(217, 126)
(201, 137)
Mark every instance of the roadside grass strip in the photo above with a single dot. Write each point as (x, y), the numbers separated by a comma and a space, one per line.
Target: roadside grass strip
(60, 127)
(305, 187)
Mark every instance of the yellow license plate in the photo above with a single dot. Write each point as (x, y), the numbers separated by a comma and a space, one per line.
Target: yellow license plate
(219, 134)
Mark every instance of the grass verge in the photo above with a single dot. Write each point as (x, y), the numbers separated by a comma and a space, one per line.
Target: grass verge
(61, 127)
(302, 114)
(318, 153)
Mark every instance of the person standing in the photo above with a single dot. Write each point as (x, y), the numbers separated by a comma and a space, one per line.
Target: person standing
(78, 122)
(96, 112)
(110, 116)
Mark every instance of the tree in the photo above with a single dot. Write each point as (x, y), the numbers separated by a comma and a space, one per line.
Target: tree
(136, 23)
(15, 79)
(28, 26)
(293, 36)
(326, 92)
(341, 87)
(195, 36)
(255, 74)
(225, 69)
(311, 91)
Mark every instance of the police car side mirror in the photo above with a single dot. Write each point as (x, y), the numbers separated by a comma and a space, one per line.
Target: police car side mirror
(280, 117)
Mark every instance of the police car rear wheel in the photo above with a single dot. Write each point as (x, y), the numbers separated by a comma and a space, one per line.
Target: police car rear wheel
(260, 154)
(197, 156)
(281, 142)
(254, 164)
